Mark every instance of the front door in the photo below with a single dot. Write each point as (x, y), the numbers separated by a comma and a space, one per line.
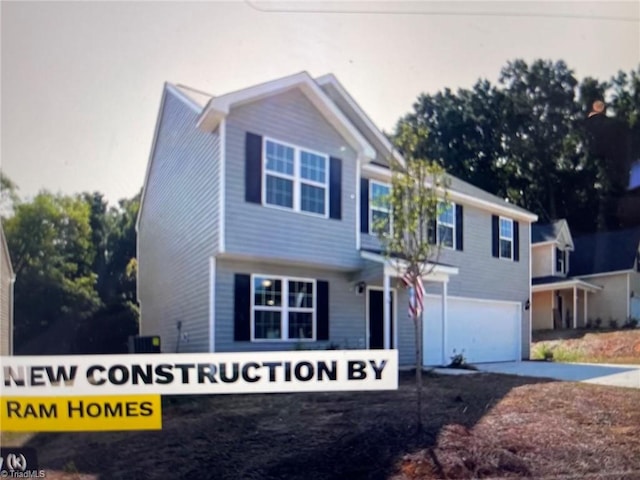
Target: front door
(560, 317)
(376, 319)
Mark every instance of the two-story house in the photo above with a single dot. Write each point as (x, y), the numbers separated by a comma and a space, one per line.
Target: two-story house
(255, 233)
(577, 281)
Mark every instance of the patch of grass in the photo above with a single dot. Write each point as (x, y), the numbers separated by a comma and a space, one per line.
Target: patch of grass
(542, 351)
(615, 346)
(561, 354)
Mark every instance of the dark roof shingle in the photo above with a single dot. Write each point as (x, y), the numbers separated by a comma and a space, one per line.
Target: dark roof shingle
(547, 232)
(604, 252)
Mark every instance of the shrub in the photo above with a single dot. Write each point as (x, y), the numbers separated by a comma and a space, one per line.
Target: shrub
(598, 322)
(630, 323)
(458, 360)
(542, 351)
(613, 323)
(589, 324)
(563, 355)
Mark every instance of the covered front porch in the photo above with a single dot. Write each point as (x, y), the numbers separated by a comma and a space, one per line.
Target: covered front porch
(387, 301)
(559, 302)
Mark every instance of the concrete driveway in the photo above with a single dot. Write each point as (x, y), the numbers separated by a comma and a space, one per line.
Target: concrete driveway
(613, 375)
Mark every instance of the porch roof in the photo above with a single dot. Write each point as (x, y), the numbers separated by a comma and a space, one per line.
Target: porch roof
(437, 272)
(545, 284)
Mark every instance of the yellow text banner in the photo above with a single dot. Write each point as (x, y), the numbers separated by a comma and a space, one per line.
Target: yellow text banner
(81, 413)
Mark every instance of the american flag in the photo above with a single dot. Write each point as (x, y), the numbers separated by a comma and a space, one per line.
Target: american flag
(416, 293)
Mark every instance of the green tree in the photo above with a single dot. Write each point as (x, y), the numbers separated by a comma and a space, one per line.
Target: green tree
(108, 330)
(417, 195)
(527, 139)
(50, 242)
(464, 133)
(8, 195)
(539, 133)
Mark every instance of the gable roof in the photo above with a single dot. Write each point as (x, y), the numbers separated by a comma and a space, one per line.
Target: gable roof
(198, 97)
(336, 91)
(219, 107)
(605, 252)
(550, 232)
(335, 103)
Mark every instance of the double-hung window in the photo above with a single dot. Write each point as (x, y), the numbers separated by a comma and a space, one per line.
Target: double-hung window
(283, 308)
(561, 261)
(446, 225)
(295, 178)
(506, 238)
(379, 210)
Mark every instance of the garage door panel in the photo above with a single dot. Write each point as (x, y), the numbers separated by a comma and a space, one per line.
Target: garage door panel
(482, 331)
(432, 331)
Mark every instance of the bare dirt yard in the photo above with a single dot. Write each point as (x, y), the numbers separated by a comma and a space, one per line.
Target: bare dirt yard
(475, 426)
(589, 346)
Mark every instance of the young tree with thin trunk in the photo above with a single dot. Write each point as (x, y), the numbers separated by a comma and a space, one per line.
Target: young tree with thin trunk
(408, 234)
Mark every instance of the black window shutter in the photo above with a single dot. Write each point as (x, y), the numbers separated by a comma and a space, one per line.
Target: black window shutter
(335, 188)
(253, 168)
(516, 241)
(431, 231)
(322, 312)
(242, 308)
(459, 227)
(495, 236)
(364, 205)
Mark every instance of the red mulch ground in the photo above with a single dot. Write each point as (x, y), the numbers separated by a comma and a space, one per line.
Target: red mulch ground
(475, 426)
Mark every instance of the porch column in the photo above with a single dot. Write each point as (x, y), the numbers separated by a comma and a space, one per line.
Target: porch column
(586, 316)
(575, 307)
(386, 310)
(444, 323)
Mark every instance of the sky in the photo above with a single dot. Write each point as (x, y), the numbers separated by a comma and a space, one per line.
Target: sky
(81, 82)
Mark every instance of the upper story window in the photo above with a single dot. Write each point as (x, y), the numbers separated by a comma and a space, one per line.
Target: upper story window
(283, 308)
(295, 178)
(561, 261)
(379, 210)
(506, 238)
(446, 223)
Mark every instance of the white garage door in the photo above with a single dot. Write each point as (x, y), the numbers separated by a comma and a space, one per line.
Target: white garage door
(483, 331)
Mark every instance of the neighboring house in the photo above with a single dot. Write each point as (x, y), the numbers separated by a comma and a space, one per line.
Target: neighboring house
(255, 233)
(586, 278)
(7, 280)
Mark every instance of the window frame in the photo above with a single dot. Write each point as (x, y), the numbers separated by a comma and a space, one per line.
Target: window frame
(296, 178)
(563, 260)
(378, 208)
(284, 308)
(501, 237)
(452, 226)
